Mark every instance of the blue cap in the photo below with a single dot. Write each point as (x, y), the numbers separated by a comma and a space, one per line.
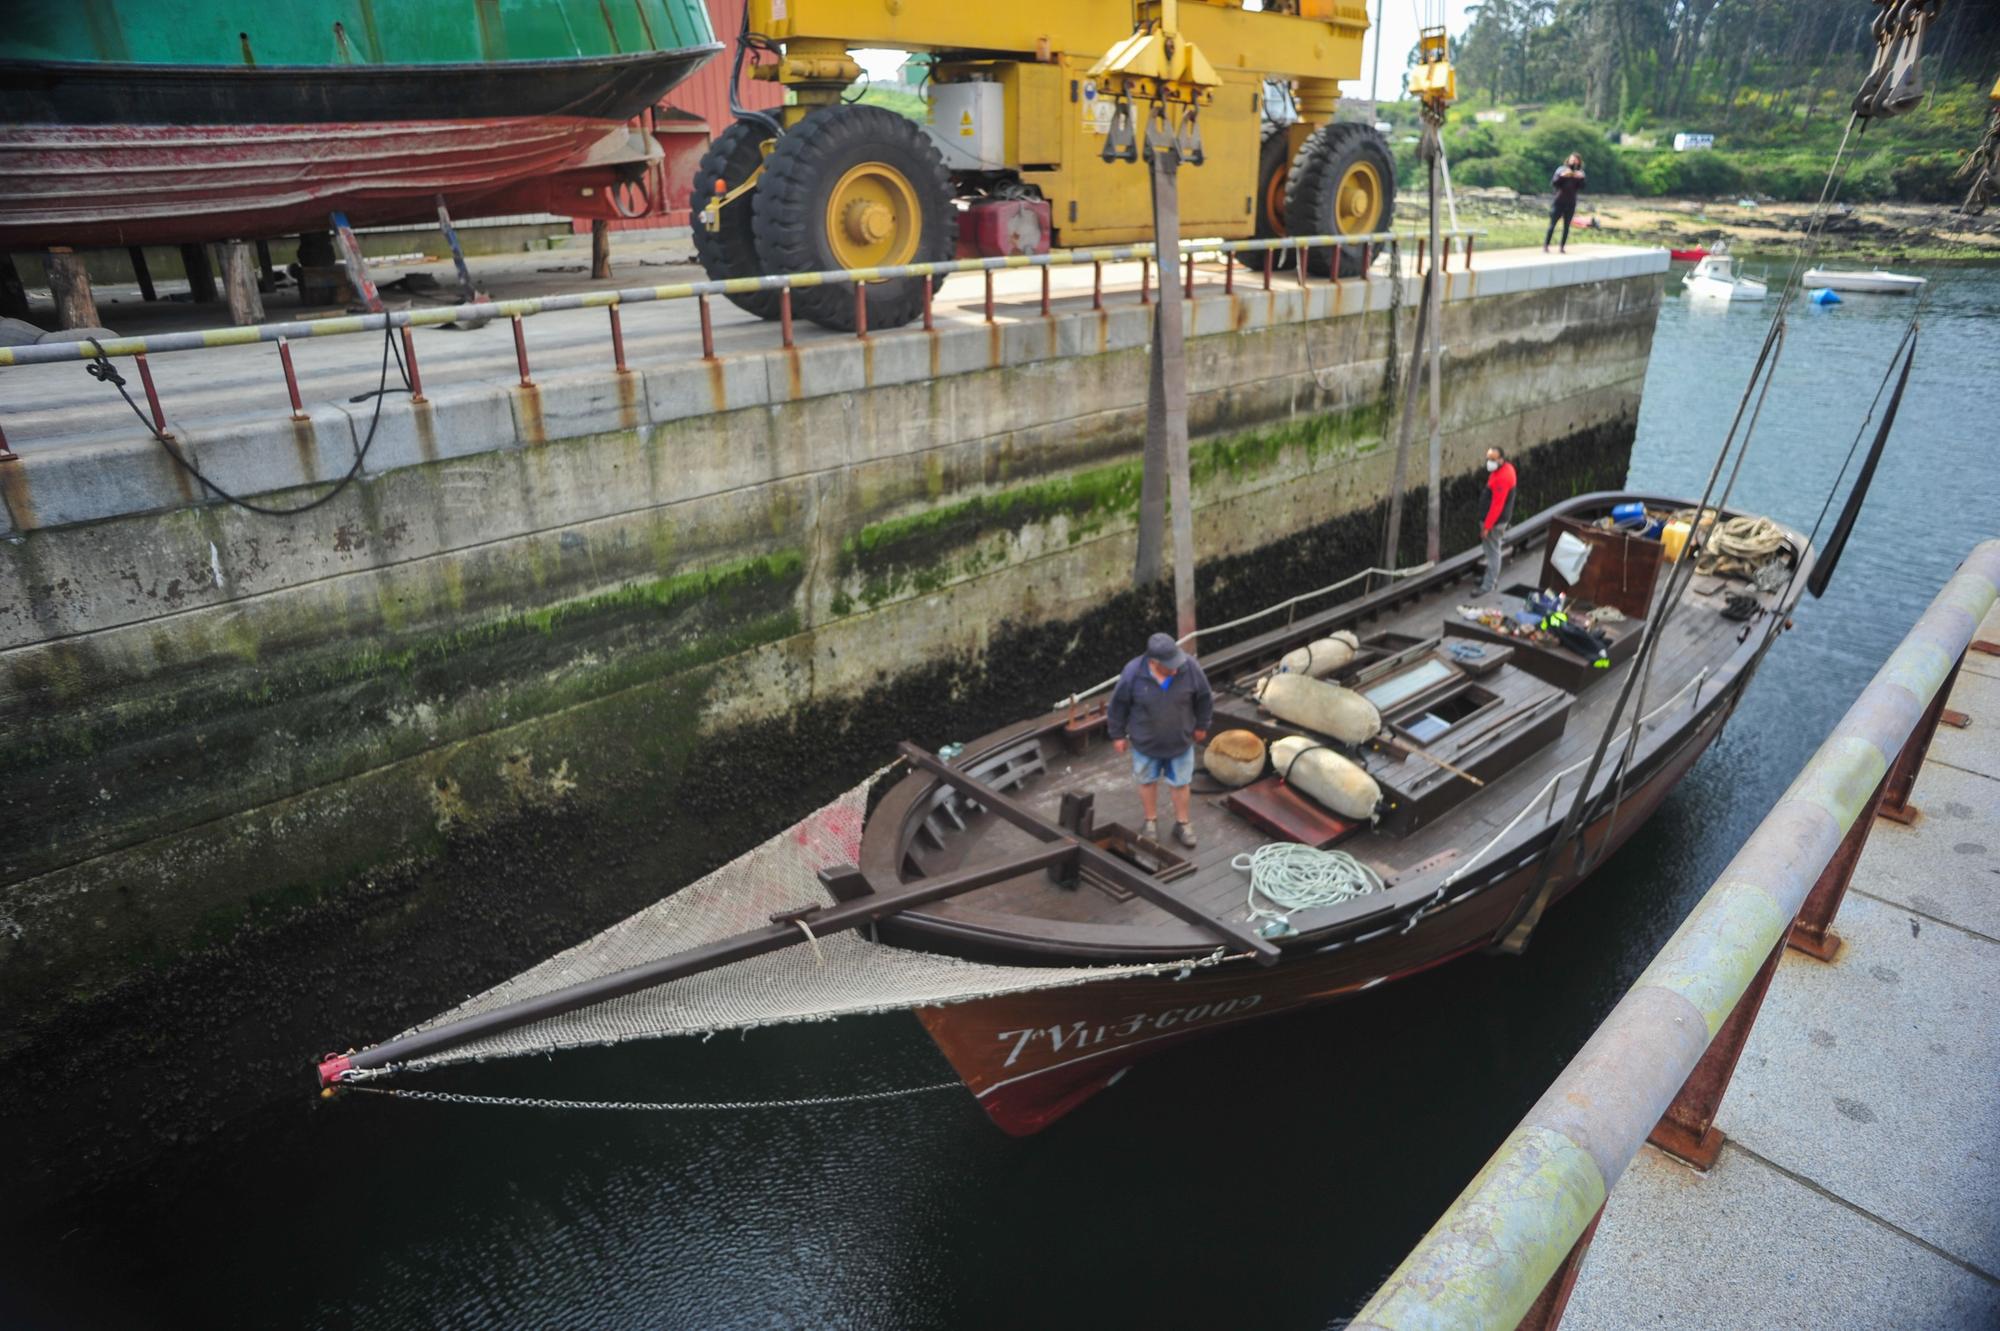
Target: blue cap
(1161, 647)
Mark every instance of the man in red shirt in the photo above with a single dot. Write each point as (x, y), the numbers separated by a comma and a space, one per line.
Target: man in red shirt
(1499, 513)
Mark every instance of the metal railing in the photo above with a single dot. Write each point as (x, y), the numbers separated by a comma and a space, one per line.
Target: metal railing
(516, 311)
(1507, 1252)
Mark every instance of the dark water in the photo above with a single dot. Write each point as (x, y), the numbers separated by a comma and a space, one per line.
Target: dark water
(1265, 1179)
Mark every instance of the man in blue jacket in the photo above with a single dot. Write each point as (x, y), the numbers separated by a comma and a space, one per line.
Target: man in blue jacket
(1159, 711)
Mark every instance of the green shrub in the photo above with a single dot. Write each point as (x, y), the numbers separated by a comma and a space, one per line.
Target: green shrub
(1689, 173)
(1928, 179)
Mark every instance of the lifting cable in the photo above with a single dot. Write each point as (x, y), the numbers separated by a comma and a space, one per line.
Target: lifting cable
(1521, 923)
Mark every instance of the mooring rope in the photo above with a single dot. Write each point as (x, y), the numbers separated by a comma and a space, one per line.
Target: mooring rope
(1298, 877)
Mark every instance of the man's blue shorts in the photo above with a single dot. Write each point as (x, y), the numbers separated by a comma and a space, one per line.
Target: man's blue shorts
(1174, 771)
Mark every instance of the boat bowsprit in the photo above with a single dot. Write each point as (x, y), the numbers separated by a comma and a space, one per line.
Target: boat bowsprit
(1013, 898)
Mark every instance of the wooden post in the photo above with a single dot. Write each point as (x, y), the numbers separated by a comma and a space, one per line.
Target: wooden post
(141, 273)
(200, 274)
(69, 283)
(239, 283)
(1166, 407)
(13, 294)
(600, 248)
(1433, 501)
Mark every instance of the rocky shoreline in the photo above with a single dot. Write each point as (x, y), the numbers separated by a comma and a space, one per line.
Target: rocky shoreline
(1877, 232)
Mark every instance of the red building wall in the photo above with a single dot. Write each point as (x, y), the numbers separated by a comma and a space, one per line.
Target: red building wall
(705, 94)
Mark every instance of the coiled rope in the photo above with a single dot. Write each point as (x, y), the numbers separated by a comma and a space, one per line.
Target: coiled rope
(1297, 877)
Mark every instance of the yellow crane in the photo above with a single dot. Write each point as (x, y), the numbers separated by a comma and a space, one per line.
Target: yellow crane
(1012, 159)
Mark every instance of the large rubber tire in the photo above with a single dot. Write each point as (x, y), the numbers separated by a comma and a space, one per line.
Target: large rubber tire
(1334, 160)
(793, 220)
(732, 250)
(1274, 169)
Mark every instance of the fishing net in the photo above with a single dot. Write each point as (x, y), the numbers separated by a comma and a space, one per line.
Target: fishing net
(838, 975)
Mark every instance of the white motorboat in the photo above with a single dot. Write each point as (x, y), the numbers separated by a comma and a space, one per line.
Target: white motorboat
(1716, 278)
(1878, 282)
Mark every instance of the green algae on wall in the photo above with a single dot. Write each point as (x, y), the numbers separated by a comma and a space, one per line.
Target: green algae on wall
(925, 550)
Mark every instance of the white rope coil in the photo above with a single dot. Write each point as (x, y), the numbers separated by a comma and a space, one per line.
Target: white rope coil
(1298, 877)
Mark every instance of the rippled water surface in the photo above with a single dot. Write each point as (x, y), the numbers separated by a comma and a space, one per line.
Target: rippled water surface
(1265, 1179)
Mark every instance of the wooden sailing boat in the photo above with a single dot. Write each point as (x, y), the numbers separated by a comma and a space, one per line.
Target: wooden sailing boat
(1023, 848)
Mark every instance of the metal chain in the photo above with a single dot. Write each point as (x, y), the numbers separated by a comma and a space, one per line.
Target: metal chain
(536, 1102)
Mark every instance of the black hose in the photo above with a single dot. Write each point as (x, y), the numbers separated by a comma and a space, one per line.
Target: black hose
(104, 371)
(736, 108)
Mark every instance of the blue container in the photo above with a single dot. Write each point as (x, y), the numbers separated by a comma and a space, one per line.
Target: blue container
(1653, 529)
(1823, 296)
(1626, 515)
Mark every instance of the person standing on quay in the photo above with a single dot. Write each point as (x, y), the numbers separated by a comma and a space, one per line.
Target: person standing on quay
(1568, 182)
(1499, 513)
(1160, 710)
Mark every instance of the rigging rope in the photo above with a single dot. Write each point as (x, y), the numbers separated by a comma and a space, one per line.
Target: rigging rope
(1298, 877)
(646, 1106)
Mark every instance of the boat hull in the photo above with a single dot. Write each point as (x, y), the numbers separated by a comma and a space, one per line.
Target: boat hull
(1878, 284)
(1032, 1058)
(183, 156)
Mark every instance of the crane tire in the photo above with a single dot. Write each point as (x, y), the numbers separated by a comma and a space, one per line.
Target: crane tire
(1343, 182)
(731, 251)
(855, 187)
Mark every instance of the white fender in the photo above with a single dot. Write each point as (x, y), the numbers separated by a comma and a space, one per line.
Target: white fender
(1332, 780)
(1319, 706)
(1322, 656)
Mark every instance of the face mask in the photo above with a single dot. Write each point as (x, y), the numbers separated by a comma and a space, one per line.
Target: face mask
(1491, 465)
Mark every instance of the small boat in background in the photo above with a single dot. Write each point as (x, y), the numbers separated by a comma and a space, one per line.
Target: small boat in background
(1716, 278)
(1695, 255)
(1878, 282)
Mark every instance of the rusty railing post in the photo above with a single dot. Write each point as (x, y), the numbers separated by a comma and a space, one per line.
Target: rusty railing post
(1045, 291)
(1229, 272)
(1268, 260)
(1468, 254)
(988, 275)
(1096, 284)
(1305, 264)
(1367, 259)
(929, 286)
(785, 316)
(1687, 1130)
(152, 397)
(291, 379)
(1444, 254)
(1187, 287)
(1145, 281)
(1812, 930)
(1547, 1310)
(521, 353)
(861, 310)
(1896, 793)
(409, 364)
(7, 454)
(617, 339)
(1422, 241)
(707, 327)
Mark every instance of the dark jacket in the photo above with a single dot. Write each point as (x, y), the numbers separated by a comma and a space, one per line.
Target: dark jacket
(1568, 183)
(1160, 722)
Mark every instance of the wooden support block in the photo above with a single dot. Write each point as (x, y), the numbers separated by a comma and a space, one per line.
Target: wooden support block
(239, 283)
(267, 276)
(69, 283)
(13, 295)
(200, 274)
(600, 248)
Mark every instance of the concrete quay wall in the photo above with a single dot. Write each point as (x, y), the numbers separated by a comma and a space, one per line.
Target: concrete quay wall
(671, 605)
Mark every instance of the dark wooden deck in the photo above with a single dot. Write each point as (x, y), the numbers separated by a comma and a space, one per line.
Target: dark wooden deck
(1034, 912)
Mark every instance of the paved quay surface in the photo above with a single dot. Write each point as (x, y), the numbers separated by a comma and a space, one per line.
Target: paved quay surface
(51, 407)
(1860, 1186)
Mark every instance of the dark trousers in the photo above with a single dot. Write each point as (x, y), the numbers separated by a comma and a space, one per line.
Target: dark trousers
(1562, 212)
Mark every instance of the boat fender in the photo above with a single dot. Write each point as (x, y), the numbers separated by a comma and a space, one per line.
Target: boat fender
(1341, 785)
(1235, 757)
(1338, 713)
(1322, 656)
